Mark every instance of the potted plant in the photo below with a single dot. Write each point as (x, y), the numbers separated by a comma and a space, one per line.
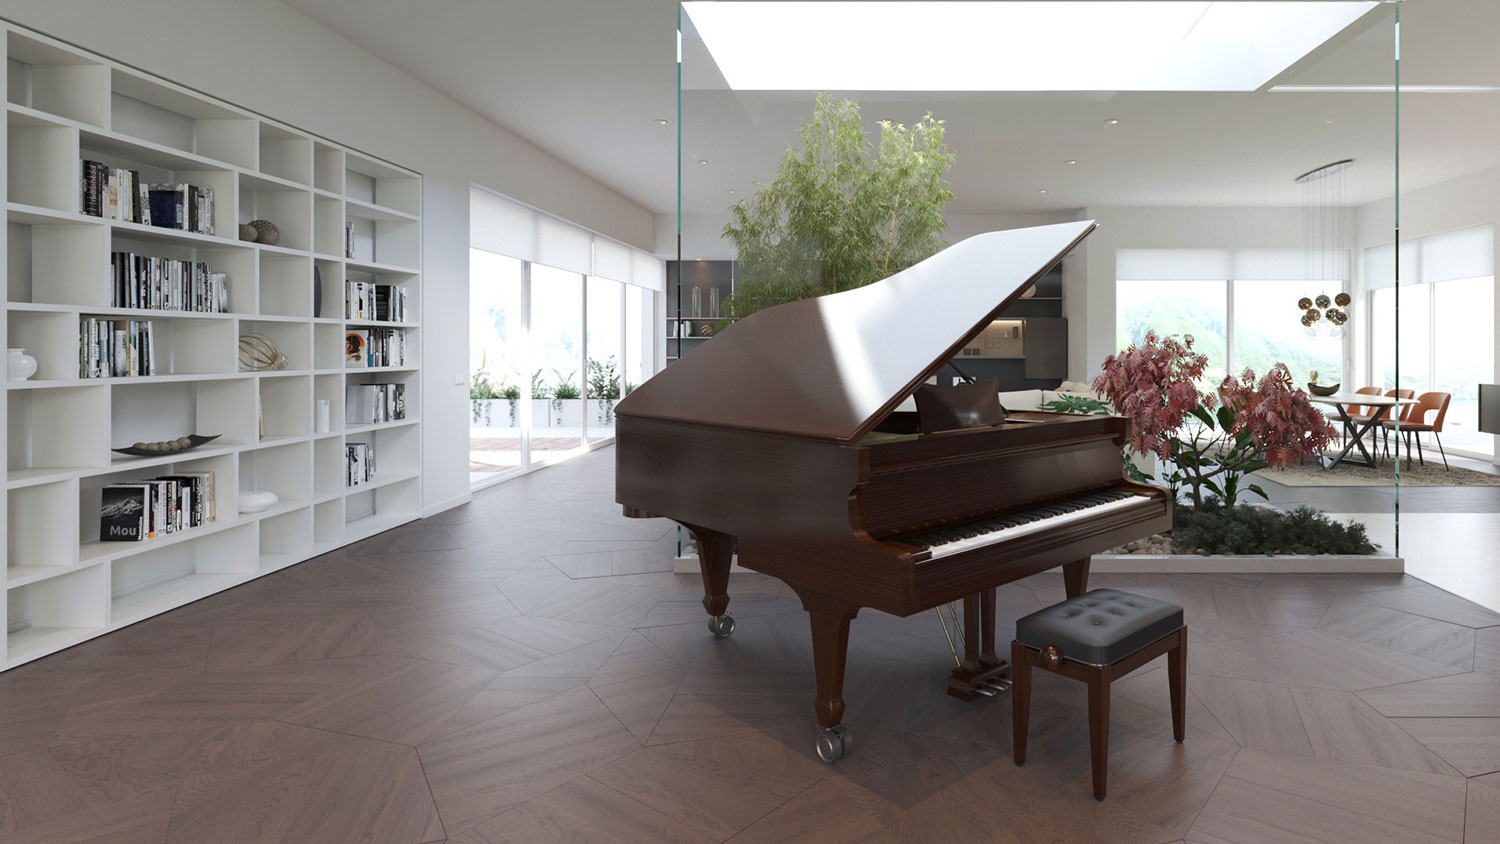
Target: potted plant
(567, 410)
(481, 399)
(842, 212)
(603, 390)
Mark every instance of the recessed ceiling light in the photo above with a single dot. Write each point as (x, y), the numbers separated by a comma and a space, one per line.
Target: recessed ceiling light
(758, 182)
(1027, 45)
(661, 121)
(1071, 161)
(702, 161)
(1112, 121)
(1041, 190)
(731, 190)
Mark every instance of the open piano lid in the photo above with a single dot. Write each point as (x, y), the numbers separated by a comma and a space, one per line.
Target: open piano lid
(834, 366)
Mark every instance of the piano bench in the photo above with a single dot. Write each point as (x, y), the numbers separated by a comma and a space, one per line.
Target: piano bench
(1096, 638)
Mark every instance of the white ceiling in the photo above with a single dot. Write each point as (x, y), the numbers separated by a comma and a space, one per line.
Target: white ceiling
(587, 81)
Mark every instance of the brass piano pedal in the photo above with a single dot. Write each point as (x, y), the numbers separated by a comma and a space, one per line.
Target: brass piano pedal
(999, 685)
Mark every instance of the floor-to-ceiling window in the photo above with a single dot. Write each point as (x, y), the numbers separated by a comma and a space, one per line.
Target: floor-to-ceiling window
(1195, 308)
(557, 377)
(605, 350)
(497, 364)
(1447, 327)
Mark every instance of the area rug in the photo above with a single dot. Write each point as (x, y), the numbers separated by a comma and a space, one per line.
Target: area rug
(1349, 474)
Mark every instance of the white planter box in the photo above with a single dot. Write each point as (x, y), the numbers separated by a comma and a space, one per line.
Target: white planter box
(602, 412)
(494, 413)
(541, 413)
(563, 413)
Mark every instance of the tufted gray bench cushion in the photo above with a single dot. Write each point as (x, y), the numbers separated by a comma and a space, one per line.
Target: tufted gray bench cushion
(1100, 627)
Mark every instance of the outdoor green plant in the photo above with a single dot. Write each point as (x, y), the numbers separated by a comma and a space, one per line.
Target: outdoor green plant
(481, 387)
(1076, 405)
(604, 385)
(565, 388)
(1214, 528)
(843, 211)
(539, 388)
(511, 393)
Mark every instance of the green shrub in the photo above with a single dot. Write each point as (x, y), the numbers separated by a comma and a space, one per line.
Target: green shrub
(1216, 529)
(1077, 405)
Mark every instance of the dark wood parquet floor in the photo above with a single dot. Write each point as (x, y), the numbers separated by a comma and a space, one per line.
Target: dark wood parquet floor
(526, 669)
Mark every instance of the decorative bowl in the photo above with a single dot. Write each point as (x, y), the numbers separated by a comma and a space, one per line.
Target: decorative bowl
(256, 500)
(176, 446)
(1322, 390)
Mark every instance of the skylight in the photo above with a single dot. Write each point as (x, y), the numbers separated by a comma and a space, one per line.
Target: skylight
(1131, 45)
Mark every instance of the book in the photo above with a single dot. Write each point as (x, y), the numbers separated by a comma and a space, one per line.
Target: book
(124, 512)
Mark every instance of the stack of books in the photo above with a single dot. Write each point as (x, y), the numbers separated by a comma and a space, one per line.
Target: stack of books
(366, 404)
(360, 464)
(115, 348)
(140, 510)
(119, 194)
(375, 347)
(368, 301)
(166, 284)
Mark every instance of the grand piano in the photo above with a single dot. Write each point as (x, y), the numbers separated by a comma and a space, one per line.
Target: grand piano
(785, 440)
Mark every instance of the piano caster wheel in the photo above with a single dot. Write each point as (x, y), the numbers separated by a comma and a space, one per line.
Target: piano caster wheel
(721, 625)
(835, 744)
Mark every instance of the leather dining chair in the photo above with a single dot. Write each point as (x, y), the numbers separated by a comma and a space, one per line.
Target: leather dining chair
(1414, 423)
(1358, 414)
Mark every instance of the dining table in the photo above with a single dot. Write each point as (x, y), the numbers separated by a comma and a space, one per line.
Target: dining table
(1379, 408)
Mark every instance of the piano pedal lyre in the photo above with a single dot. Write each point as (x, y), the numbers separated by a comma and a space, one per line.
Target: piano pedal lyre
(977, 672)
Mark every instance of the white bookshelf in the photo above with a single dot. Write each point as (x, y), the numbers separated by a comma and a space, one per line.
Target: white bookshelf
(62, 585)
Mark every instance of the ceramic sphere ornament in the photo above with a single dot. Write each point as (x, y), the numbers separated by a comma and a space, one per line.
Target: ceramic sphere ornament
(257, 500)
(247, 233)
(20, 365)
(266, 232)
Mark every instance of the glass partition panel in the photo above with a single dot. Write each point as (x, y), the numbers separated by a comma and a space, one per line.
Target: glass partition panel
(1238, 158)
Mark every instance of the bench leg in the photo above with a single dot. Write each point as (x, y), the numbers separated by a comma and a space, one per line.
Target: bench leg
(1177, 678)
(1099, 729)
(1020, 699)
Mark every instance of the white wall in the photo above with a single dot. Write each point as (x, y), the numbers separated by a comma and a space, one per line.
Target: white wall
(262, 55)
(1471, 200)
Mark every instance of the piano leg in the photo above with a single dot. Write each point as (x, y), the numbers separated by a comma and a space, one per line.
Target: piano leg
(715, 555)
(982, 672)
(830, 640)
(1076, 577)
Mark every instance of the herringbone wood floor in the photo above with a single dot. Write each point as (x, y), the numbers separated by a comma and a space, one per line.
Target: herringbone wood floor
(525, 669)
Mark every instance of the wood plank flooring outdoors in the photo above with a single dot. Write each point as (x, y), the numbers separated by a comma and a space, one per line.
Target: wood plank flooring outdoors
(527, 669)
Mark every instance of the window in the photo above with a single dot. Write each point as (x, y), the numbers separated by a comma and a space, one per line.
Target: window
(497, 363)
(1196, 308)
(605, 352)
(1265, 332)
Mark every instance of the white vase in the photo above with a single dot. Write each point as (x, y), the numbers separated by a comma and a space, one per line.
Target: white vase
(22, 365)
(256, 500)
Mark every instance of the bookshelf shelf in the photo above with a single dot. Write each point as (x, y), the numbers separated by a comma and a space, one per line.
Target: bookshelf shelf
(61, 584)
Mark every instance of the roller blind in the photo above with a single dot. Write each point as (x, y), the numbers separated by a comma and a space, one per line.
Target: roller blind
(1226, 264)
(612, 260)
(1462, 253)
(506, 227)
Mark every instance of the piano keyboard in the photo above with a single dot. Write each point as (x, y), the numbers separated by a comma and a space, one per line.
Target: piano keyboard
(954, 539)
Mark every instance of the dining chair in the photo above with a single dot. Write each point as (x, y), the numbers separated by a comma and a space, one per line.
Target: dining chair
(1357, 413)
(1401, 413)
(1414, 423)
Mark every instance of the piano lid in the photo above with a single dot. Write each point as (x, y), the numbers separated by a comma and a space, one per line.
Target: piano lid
(833, 367)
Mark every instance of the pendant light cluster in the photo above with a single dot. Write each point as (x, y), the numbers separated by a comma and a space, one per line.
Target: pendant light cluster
(1327, 247)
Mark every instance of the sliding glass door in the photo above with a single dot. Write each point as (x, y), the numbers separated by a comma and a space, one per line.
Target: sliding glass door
(604, 348)
(556, 363)
(497, 364)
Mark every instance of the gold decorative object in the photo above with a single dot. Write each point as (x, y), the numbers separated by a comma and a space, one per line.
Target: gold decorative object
(1312, 315)
(247, 232)
(1323, 301)
(706, 330)
(1337, 316)
(258, 354)
(1304, 303)
(1307, 320)
(1343, 300)
(1051, 658)
(266, 232)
